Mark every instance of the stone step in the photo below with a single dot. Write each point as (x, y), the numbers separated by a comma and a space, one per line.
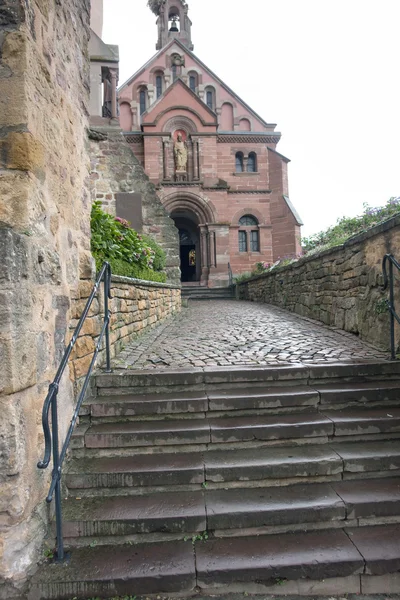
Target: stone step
(332, 376)
(171, 512)
(267, 427)
(147, 404)
(377, 391)
(181, 566)
(106, 571)
(268, 464)
(262, 398)
(301, 506)
(208, 430)
(313, 555)
(355, 421)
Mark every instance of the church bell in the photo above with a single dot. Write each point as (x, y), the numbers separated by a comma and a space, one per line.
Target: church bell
(174, 26)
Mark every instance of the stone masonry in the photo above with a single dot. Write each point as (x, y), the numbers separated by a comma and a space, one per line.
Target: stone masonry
(340, 286)
(44, 248)
(136, 307)
(114, 168)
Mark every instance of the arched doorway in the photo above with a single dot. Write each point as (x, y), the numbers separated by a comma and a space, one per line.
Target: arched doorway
(189, 242)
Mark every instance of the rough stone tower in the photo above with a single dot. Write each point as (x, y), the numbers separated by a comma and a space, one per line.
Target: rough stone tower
(173, 23)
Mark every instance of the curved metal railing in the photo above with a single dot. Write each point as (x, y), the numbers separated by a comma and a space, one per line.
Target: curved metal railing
(388, 282)
(51, 437)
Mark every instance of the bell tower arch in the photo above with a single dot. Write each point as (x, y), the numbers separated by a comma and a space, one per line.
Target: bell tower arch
(173, 22)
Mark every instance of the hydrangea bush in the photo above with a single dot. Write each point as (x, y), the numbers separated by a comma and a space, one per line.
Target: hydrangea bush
(129, 253)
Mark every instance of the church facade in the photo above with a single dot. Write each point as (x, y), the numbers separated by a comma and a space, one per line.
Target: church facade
(212, 159)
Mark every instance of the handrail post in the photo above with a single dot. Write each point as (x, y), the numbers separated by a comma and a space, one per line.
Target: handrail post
(391, 300)
(107, 288)
(57, 475)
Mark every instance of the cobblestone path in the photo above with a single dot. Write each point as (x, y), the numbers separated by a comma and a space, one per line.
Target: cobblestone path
(224, 333)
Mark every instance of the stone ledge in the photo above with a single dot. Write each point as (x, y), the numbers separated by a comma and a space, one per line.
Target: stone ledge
(142, 282)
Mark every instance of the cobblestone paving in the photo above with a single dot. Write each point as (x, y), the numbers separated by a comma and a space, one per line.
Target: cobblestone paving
(225, 333)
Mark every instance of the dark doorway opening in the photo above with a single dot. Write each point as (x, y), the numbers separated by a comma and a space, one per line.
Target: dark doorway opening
(188, 263)
(189, 246)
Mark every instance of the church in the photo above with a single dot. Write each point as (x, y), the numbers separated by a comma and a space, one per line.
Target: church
(213, 160)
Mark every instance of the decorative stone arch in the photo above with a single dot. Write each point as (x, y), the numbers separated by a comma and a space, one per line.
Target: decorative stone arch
(158, 68)
(243, 118)
(186, 109)
(204, 211)
(180, 123)
(125, 112)
(248, 211)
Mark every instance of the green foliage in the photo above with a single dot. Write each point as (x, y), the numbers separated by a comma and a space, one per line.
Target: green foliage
(242, 277)
(159, 254)
(199, 537)
(48, 553)
(129, 253)
(121, 267)
(348, 226)
(382, 306)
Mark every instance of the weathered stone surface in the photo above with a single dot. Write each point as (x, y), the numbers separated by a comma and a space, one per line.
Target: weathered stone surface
(115, 169)
(262, 559)
(44, 217)
(340, 287)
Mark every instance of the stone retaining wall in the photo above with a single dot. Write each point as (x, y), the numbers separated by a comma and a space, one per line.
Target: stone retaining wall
(340, 286)
(44, 250)
(135, 307)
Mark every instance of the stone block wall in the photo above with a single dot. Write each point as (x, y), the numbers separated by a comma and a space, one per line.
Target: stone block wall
(340, 287)
(136, 306)
(114, 169)
(44, 249)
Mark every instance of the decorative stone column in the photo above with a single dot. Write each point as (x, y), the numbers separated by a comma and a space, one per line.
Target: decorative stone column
(114, 78)
(204, 254)
(134, 111)
(196, 173)
(166, 145)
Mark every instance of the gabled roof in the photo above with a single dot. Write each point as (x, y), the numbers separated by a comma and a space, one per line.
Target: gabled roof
(204, 113)
(99, 51)
(199, 62)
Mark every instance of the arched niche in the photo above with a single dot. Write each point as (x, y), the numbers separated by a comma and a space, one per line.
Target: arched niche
(227, 117)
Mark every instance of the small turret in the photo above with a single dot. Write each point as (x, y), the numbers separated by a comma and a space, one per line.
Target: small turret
(173, 22)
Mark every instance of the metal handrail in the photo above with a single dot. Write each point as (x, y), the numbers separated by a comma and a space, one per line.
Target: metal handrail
(52, 437)
(388, 281)
(230, 275)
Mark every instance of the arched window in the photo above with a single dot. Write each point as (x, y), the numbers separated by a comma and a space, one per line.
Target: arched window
(239, 162)
(143, 100)
(249, 234)
(193, 81)
(252, 163)
(210, 98)
(159, 86)
(174, 72)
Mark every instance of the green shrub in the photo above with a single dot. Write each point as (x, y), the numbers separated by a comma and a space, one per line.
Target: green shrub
(346, 227)
(129, 253)
(159, 254)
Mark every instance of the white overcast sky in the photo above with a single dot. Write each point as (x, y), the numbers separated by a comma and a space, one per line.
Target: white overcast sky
(326, 71)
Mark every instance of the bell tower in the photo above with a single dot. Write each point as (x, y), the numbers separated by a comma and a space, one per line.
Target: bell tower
(173, 22)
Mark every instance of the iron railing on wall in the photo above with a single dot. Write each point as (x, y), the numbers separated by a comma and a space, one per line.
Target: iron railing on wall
(51, 437)
(388, 282)
(230, 275)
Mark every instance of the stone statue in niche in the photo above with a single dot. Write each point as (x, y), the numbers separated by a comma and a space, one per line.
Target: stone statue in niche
(180, 154)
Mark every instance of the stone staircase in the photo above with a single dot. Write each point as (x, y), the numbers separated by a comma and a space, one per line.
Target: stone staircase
(203, 293)
(281, 480)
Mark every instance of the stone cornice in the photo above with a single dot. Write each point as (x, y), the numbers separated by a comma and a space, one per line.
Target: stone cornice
(248, 138)
(249, 191)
